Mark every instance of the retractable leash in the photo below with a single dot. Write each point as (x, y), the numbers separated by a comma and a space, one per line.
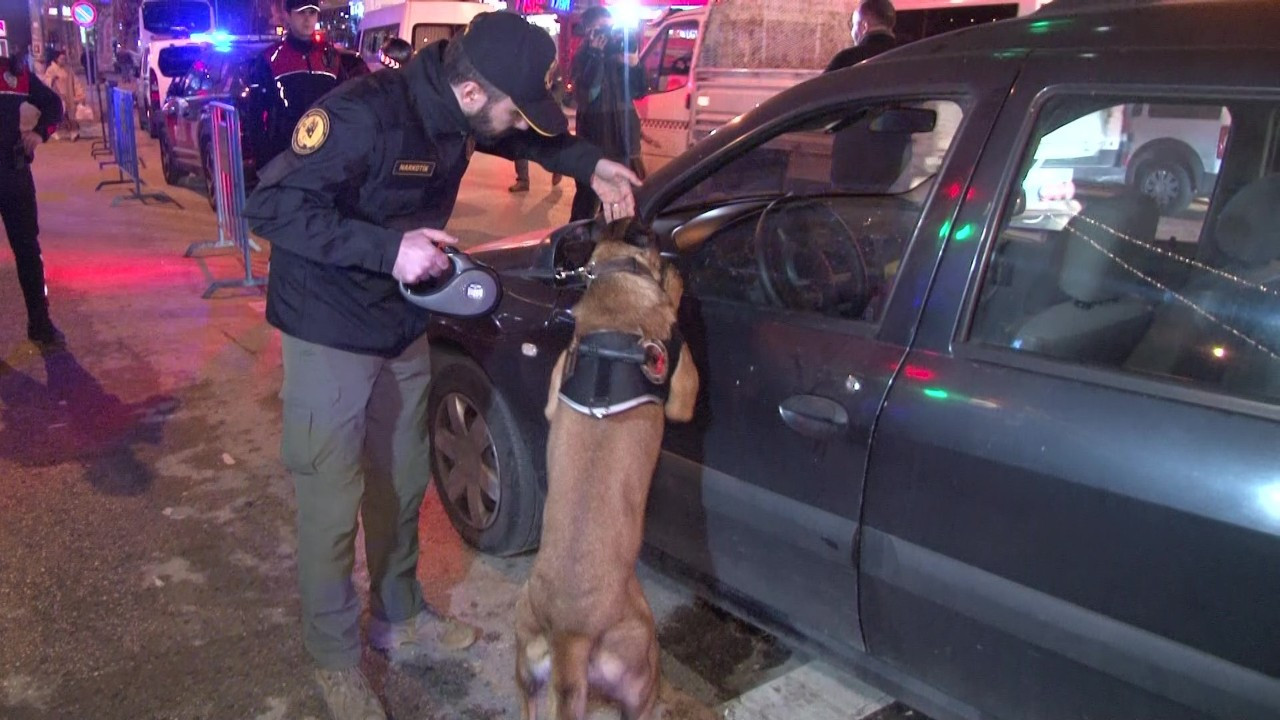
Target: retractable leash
(468, 288)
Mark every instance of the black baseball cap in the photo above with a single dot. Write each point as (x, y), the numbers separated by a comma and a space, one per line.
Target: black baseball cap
(291, 5)
(520, 60)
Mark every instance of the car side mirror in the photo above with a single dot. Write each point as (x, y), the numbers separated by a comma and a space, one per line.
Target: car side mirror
(904, 121)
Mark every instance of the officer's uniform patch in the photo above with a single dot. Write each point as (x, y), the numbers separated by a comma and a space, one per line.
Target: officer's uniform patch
(418, 168)
(311, 131)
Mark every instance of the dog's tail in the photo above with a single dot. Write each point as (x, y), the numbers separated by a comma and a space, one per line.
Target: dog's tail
(570, 656)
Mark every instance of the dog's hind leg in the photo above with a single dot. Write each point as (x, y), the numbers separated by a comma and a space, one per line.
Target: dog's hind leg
(533, 657)
(627, 662)
(570, 654)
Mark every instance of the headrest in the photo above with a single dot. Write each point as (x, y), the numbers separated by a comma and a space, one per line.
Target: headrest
(1089, 272)
(1248, 228)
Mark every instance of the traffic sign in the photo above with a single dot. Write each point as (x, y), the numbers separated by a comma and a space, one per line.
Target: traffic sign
(84, 14)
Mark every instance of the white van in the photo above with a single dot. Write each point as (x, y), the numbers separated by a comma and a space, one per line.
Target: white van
(707, 65)
(164, 28)
(418, 21)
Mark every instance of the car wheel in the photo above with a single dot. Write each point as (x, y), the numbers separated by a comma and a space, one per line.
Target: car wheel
(1167, 182)
(483, 470)
(153, 128)
(209, 190)
(171, 173)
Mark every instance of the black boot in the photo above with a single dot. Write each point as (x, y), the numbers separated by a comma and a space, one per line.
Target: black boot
(45, 334)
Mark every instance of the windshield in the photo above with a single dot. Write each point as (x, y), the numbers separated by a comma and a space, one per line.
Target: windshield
(163, 18)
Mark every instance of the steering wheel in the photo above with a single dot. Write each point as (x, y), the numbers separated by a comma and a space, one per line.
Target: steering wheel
(808, 259)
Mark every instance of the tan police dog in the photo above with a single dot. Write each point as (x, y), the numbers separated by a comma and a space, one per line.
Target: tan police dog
(582, 621)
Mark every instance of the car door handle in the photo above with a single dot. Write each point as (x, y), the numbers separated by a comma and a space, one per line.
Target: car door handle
(814, 416)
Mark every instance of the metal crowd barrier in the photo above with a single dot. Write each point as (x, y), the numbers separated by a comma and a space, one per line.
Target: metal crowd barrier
(228, 183)
(124, 145)
(102, 148)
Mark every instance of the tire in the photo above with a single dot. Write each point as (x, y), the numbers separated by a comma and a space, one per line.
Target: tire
(153, 128)
(1167, 182)
(462, 404)
(171, 174)
(206, 161)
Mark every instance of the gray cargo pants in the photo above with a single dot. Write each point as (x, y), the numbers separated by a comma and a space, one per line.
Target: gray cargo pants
(355, 441)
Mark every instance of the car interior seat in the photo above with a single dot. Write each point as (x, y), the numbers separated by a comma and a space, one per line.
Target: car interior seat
(1104, 314)
(1225, 329)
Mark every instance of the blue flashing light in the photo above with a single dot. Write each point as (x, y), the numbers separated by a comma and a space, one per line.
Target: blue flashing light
(220, 39)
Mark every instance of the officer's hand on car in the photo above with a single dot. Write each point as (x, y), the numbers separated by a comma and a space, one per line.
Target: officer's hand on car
(30, 141)
(612, 182)
(420, 255)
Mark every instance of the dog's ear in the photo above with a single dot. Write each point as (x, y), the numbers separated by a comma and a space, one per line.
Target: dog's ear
(553, 393)
(683, 395)
(637, 234)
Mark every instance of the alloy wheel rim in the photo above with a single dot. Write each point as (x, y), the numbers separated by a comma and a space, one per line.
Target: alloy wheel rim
(466, 461)
(1162, 186)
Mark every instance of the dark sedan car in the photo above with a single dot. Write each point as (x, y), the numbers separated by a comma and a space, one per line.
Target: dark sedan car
(1004, 443)
(221, 73)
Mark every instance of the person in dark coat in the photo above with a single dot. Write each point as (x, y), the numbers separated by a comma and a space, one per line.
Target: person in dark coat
(862, 161)
(872, 29)
(19, 85)
(355, 206)
(607, 81)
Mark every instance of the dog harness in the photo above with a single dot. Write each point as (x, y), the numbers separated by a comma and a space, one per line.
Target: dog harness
(609, 372)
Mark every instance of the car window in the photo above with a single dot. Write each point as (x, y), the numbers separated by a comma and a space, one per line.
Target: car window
(176, 60)
(426, 33)
(1091, 267)
(668, 58)
(372, 39)
(825, 210)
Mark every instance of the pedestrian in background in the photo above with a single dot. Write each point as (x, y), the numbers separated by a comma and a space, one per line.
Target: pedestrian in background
(357, 205)
(19, 85)
(863, 161)
(871, 27)
(606, 81)
(291, 75)
(61, 78)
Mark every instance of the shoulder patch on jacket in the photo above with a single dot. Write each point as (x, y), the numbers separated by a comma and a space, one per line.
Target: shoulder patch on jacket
(311, 131)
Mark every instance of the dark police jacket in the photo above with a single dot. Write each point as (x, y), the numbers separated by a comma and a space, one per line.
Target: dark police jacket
(394, 148)
(291, 76)
(25, 88)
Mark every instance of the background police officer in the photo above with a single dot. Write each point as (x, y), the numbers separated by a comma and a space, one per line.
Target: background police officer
(19, 85)
(296, 72)
(358, 203)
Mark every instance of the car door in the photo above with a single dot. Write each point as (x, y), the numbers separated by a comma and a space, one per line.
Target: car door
(1072, 507)
(800, 295)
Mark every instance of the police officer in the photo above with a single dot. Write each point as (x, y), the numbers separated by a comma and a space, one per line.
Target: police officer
(19, 85)
(294, 73)
(358, 203)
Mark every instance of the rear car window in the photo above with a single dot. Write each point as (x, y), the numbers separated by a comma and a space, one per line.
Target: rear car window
(425, 34)
(176, 61)
(162, 18)
(1100, 262)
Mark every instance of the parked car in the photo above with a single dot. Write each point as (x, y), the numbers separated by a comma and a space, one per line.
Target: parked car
(163, 61)
(1168, 151)
(1003, 468)
(222, 73)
